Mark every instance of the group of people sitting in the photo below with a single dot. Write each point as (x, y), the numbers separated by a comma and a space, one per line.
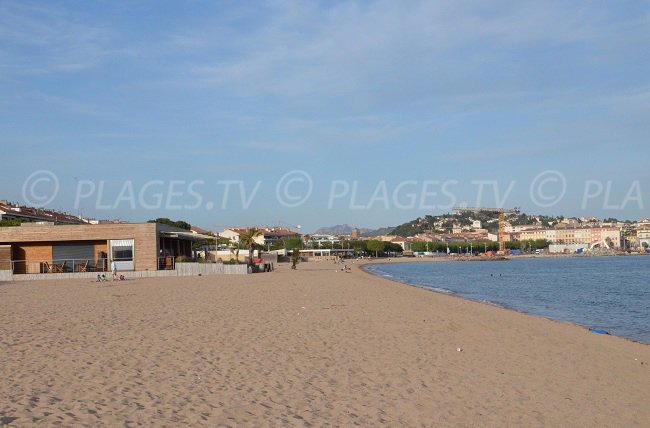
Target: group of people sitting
(116, 277)
(345, 268)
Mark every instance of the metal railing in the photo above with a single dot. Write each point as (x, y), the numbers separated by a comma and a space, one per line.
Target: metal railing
(169, 262)
(77, 265)
(59, 266)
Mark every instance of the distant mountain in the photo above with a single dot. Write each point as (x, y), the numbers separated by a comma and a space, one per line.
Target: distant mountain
(339, 229)
(377, 232)
(344, 229)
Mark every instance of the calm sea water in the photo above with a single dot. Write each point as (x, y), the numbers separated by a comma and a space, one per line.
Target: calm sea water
(609, 293)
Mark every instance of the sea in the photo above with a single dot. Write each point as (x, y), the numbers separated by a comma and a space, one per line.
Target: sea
(605, 294)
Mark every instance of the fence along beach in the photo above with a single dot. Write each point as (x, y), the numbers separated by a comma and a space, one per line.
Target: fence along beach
(307, 347)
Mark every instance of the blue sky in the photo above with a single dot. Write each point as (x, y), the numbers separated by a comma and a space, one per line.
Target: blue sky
(162, 104)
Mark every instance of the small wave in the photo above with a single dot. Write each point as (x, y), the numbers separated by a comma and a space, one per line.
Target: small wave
(498, 305)
(440, 290)
(436, 289)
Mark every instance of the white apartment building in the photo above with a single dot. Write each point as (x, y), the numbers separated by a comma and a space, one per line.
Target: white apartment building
(521, 227)
(643, 236)
(320, 239)
(609, 237)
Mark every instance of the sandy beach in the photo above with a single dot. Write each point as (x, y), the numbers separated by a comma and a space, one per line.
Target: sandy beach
(312, 347)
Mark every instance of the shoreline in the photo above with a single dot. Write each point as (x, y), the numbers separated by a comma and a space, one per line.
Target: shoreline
(310, 346)
(482, 302)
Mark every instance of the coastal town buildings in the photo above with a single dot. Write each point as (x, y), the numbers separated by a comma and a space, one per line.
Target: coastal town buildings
(643, 237)
(268, 235)
(234, 233)
(320, 240)
(11, 211)
(520, 227)
(605, 237)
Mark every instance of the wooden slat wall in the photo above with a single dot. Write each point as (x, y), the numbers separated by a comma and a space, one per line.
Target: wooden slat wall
(89, 232)
(101, 246)
(145, 236)
(32, 254)
(5, 257)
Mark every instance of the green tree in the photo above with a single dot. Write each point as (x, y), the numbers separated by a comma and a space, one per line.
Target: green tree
(179, 223)
(292, 243)
(287, 243)
(358, 247)
(393, 247)
(376, 246)
(234, 252)
(204, 242)
(540, 244)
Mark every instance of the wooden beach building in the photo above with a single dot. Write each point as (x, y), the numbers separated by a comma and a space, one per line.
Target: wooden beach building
(46, 248)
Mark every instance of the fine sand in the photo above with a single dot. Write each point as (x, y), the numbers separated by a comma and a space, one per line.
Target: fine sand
(312, 347)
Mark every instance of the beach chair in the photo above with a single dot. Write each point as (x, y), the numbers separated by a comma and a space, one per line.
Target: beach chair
(49, 268)
(60, 268)
(82, 267)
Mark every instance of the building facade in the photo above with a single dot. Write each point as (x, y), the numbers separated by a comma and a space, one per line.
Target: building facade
(47, 248)
(267, 236)
(643, 237)
(609, 237)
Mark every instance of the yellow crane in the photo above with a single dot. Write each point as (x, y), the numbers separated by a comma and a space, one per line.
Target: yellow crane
(502, 221)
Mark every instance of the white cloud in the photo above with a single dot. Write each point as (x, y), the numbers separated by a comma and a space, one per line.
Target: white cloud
(352, 48)
(45, 39)
(299, 71)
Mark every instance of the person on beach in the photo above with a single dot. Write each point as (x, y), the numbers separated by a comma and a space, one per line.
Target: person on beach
(114, 270)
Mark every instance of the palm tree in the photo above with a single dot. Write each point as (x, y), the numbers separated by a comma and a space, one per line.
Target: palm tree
(234, 252)
(248, 240)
